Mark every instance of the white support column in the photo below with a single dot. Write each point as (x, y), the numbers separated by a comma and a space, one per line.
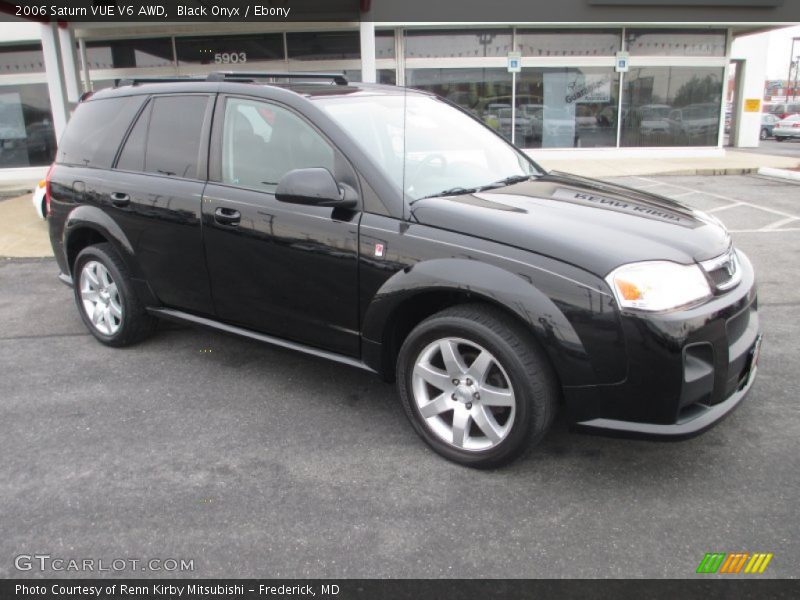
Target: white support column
(55, 82)
(368, 72)
(66, 37)
(753, 51)
(87, 78)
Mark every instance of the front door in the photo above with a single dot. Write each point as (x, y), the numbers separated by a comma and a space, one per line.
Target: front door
(282, 269)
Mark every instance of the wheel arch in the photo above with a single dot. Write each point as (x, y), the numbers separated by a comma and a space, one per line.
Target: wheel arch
(89, 225)
(412, 295)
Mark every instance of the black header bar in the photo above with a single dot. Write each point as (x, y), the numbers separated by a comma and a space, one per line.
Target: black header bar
(406, 11)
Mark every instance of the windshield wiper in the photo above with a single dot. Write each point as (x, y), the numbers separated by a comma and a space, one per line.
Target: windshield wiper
(456, 191)
(504, 182)
(489, 186)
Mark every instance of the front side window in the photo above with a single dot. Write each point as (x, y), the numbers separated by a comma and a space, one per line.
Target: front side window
(425, 145)
(261, 142)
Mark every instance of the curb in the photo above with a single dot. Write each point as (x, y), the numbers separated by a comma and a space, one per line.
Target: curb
(780, 173)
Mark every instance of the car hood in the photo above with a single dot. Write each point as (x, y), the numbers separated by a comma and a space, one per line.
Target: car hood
(591, 224)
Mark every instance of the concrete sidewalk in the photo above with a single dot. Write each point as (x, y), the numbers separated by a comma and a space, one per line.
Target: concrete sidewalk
(733, 163)
(23, 234)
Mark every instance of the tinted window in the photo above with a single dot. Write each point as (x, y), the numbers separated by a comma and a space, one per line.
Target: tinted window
(262, 142)
(96, 130)
(132, 156)
(174, 135)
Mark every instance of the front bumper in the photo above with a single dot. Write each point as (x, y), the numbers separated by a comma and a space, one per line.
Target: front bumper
(690, 424)
(687, 370)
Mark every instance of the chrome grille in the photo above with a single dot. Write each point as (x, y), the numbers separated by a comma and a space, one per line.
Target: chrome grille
(723, 270)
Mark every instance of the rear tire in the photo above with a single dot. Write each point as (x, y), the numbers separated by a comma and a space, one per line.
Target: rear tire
(476, 386)
(106, 300)
(779, 139)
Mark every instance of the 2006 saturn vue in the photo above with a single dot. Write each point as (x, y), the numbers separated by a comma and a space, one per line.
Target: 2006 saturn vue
(390, 230)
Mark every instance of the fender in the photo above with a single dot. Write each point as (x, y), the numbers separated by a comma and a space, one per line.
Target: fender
(514, 292)
(92, 217)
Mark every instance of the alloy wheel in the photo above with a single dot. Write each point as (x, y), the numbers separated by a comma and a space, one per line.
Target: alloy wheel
(463, 394)
(100, 298)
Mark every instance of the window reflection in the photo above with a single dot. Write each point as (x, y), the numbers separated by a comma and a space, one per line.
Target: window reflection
(27, 136)
(671, 106)
(568, 108)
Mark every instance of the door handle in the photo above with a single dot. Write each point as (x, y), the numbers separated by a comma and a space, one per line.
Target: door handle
(120, 199)
(227, 216)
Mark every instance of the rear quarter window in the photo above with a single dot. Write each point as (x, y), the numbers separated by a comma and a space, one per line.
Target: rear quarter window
(95, 131)
(167, 137)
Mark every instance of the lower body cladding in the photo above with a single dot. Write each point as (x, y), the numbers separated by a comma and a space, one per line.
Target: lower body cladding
(687, 370)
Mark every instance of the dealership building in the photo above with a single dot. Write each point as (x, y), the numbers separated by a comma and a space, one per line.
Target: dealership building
(583, 90)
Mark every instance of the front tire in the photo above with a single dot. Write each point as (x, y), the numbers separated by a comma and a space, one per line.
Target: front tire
(106, 300)
(475, 385)
(764, 134)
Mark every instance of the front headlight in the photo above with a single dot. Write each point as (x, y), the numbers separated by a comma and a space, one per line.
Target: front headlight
(658, 285)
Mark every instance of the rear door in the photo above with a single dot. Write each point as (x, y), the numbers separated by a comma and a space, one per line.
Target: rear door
(278, 268)
(155, 196)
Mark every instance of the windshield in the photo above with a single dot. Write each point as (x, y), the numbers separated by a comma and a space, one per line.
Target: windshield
(443, 150)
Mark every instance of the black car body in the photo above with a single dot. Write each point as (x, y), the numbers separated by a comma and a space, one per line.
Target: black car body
(351, 280)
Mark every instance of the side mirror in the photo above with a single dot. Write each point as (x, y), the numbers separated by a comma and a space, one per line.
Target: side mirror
(314, 186)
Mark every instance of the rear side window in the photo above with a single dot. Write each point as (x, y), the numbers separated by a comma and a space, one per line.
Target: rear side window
(96, 130)
(167, 137)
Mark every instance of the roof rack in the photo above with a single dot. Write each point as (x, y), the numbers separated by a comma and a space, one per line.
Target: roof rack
(137, 80)
(337, 78)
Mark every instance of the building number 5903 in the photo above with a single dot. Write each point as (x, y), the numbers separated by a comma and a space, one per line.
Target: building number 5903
(230, 57)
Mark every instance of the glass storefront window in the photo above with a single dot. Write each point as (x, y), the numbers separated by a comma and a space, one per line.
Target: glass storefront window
(324, 45)
(483, 92)
(671, 106)
(384, 43)
(387, 76)
(457, 43)
(573, 42)
(555, 107)
(229, 49)
(126, 54)
(27, 58)
(567, 107)
(660, 42)
(27, 136)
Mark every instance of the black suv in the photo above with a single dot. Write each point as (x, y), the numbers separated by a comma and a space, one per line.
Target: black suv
(389, 230)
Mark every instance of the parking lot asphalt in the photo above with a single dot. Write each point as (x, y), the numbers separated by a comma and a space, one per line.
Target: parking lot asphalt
(254, 461)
